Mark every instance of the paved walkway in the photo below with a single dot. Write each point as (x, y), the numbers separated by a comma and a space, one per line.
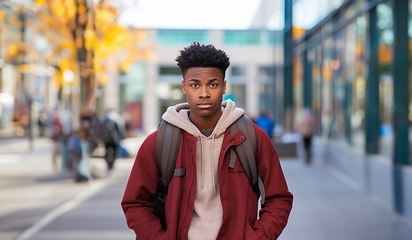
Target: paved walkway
(326, 207)
(94, 214)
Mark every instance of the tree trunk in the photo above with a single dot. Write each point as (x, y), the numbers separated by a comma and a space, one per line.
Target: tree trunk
(84, 56)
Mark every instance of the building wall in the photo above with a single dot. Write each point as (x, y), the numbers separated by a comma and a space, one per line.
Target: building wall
(250, 57)
(359, 97)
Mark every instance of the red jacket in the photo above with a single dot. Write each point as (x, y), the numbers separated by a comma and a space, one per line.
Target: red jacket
(239, 201)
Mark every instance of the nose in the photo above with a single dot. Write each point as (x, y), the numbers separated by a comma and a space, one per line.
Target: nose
(204, 92)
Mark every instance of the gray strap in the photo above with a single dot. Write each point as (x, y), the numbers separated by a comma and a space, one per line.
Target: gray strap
(232, 158)
(174, 150)
(159, 143)
(179, 172)
(261, 190)
(167, 148)
(249, 154)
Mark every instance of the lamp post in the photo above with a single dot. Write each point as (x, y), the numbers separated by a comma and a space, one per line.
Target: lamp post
(68, 77)
(27, 96)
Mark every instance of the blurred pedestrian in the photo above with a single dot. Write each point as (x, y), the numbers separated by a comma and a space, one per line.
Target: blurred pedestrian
(116, 130)
(127, 118)
(266, 122)
(306, 127)
(88, 142)
(113, 131)
(54, 131)
(209, 197)
(42, 122)
(75, 155)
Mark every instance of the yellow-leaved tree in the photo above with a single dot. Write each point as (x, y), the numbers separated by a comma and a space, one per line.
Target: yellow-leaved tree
(87, 40)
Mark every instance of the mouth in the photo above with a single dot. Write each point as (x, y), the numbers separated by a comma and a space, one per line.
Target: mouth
(204, 105)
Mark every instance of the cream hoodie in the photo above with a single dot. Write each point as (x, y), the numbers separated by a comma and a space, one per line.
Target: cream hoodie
(207, 214)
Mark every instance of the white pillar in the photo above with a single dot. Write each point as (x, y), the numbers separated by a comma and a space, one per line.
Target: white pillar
(216, 37)
(111, 92)
(252, 91)
(150, 100)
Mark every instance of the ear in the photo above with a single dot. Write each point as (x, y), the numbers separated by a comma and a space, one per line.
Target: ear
(224, 86)
(183, 87)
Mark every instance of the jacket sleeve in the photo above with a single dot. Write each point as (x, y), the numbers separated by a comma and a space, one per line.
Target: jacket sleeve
(140, 191)
(274, 214)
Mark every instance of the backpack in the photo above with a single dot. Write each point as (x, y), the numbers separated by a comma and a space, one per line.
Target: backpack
(107, 130)
(167, 148)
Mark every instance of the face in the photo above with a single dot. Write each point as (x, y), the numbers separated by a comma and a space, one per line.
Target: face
(204, 88)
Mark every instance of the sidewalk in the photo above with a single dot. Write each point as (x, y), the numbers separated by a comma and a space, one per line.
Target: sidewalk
(94, 214)
(19, 145)
(327, 206)
(32, 193)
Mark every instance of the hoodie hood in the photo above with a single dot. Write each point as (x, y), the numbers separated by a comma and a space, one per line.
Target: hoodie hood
(178, 116)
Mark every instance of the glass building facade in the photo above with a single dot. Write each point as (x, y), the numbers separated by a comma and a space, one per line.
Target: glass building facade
(352, 66)
(334, 57)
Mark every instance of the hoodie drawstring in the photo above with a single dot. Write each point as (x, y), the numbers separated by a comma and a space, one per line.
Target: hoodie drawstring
(213, 162)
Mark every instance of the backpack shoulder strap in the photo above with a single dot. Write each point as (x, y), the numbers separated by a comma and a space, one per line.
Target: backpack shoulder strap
(167, 148)
(247, 151)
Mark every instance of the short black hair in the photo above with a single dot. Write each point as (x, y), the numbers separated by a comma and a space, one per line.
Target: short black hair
(200, 55)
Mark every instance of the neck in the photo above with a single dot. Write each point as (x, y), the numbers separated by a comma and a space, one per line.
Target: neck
(202, 123)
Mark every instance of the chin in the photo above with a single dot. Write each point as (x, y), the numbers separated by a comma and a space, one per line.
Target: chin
(207, 113)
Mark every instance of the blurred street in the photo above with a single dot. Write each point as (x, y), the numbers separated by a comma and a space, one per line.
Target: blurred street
(34, 198)
(83, 73)
(39, 204)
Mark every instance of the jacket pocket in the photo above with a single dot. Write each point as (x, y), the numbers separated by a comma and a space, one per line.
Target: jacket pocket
(249, 233)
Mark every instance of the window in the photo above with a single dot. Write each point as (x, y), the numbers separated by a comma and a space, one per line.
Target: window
(338, 87)
(297, 82)
(327, 97)
(182, 37)
(385, 59)
(169, 70)
(267, 93)
(170, 74)
(252, 37)
(316, 54)
(235, 87)
(356, 75)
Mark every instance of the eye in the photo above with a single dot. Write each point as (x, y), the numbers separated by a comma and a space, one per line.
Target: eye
(194, 85)
(213, 85)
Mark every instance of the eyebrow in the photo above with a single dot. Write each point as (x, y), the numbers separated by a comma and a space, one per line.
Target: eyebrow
(197, 80)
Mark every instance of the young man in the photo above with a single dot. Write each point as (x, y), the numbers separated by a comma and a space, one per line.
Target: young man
(212, 200)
